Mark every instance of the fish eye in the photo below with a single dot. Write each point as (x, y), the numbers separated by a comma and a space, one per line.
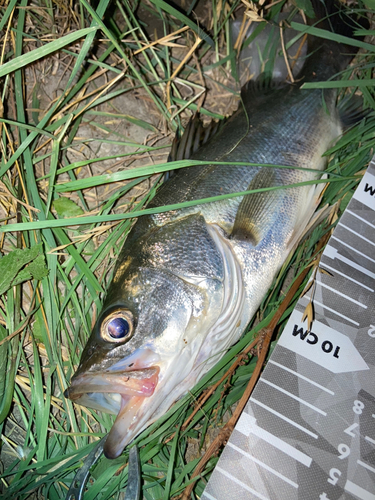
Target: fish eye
(117, 326)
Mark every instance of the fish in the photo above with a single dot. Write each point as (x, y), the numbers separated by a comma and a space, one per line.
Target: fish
(188, 281)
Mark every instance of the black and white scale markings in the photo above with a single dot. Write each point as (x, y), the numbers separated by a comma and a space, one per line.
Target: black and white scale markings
(308, 430)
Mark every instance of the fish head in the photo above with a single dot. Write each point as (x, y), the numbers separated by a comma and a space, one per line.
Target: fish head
(141, 350)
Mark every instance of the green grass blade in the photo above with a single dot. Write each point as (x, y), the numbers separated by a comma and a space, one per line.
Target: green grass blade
(7, 13)
(184, 20)
(341, 84)
(329, 35)
(157, 169)
(24, 226)
(34, 55)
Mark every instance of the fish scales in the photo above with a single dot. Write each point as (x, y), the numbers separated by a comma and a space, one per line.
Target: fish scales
(188, 281)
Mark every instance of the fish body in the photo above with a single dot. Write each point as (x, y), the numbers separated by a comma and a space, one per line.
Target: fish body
(188, 281)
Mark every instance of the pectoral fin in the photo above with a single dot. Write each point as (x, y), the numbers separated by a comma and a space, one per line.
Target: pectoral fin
(255, 211)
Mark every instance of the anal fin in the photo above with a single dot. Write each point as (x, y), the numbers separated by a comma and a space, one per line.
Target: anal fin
(309, 218)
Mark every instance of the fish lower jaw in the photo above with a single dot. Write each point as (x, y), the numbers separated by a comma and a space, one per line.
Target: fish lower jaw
(125, 427)
(105, 402)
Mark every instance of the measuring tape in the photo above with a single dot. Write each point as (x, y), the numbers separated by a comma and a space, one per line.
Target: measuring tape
(308, 430)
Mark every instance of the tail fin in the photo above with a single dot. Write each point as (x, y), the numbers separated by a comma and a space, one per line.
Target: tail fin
(264, 55)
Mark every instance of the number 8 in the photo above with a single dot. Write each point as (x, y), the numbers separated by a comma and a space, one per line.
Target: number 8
(358, 407)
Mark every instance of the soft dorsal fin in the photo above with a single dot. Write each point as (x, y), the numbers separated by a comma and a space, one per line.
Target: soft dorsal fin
(259, 90)
(251, 221)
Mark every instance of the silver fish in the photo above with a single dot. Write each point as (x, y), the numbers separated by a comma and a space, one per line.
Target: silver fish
(188, 281)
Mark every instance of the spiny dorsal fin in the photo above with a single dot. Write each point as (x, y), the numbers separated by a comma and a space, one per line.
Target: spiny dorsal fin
(194, 136)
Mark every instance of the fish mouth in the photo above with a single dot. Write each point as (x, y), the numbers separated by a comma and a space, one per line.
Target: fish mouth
(123, 392)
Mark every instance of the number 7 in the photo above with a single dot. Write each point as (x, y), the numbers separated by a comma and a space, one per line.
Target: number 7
(349, 430)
